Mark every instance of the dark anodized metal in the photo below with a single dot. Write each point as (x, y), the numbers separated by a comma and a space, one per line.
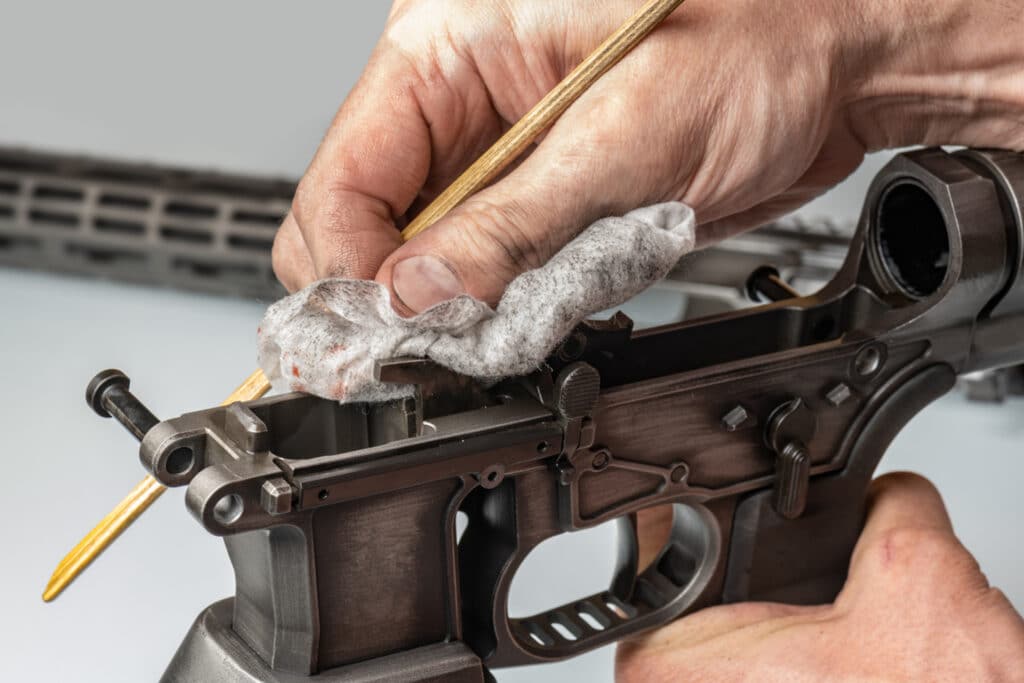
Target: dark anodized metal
(761, 428)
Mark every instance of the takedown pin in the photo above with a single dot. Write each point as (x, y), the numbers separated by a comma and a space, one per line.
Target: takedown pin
(109, 396)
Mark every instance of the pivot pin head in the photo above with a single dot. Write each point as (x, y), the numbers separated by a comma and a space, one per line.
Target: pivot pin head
(98, 387)
(108, 395)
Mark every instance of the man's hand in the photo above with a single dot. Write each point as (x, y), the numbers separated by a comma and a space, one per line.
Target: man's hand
(742, 109)
(915, 607)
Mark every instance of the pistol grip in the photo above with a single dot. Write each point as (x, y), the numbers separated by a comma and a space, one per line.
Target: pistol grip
(804, 560)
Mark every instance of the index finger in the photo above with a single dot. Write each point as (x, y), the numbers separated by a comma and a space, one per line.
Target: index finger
(367, 171)
(418, 115)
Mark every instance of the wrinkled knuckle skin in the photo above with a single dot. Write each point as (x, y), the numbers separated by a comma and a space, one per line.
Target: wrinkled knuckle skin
(334, 225)
(343, 259)
(603, 122)
(412, 23)
(495, 231)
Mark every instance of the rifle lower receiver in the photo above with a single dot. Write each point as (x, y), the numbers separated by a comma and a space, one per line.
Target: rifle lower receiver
(761, 428)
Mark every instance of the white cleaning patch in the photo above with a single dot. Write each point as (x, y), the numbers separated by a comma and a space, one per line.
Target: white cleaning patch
(325, 339)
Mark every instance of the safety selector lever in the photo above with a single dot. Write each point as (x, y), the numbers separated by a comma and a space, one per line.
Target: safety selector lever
(790, 428)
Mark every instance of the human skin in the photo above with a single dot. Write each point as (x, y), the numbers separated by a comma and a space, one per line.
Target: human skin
(915, 607)
(744, 110)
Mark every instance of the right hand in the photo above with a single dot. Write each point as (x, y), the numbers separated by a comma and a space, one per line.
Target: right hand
(915, 607)
(743, 109)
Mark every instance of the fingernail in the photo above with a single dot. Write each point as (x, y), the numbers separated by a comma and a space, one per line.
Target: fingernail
(422, 281)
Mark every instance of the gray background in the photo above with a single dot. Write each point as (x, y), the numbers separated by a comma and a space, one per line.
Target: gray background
(250, 87)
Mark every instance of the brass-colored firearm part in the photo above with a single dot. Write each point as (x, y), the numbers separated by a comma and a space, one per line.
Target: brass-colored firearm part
(496, 159)
(129, 509)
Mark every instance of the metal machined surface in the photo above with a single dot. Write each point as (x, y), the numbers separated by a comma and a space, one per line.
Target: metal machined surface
(763, 436)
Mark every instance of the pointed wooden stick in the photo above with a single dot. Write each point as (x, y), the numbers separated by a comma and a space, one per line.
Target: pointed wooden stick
(90, 547)
(495, 160)
(129, 509)
(520, 136)
(139, 490)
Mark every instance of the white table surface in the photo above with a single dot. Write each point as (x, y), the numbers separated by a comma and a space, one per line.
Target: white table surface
(250, 87)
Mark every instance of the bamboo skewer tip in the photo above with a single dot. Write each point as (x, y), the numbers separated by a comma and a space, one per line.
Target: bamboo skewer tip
(128, 510)
(506, 150)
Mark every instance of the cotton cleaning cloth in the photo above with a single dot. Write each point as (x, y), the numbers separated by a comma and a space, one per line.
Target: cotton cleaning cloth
(326, 338)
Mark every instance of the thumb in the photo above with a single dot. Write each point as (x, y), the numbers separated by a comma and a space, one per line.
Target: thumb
(513, 226)
(907, 545)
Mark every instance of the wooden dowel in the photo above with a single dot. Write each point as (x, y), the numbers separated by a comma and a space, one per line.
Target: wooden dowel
(129, 509)
(520, 136)
(485, 169)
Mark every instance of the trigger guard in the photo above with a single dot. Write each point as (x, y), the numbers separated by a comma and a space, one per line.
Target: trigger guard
(681, 578)
(627, 557)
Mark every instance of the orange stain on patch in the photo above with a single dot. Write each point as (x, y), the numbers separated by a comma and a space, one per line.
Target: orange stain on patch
(295, 370)
(338, 391)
